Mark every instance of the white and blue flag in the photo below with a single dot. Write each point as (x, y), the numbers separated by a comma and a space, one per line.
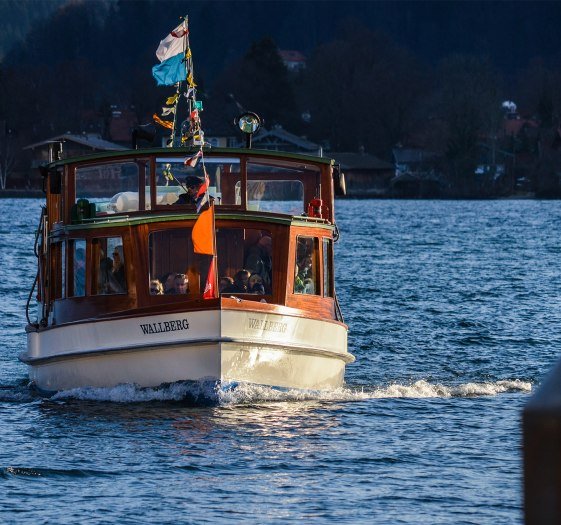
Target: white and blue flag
(171, 54)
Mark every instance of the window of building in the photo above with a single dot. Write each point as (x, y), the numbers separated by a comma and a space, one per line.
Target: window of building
(306, 270)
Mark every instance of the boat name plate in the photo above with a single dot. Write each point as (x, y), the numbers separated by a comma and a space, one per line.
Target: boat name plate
(266, 325)
(165, 326)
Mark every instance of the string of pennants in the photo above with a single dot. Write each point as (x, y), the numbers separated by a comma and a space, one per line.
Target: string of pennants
(176, 67)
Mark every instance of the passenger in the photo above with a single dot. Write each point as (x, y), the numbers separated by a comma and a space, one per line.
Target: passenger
(167, 282)
(107, 283)
(192, 184)
(305, 267)
(298, 282)
(224, 282)
(256, 285)
(180, 284)
(156, 287)
(119, 268)
(241, 280)
(259, 260)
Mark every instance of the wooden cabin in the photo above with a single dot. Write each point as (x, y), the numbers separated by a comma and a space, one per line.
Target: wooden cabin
(273, 215)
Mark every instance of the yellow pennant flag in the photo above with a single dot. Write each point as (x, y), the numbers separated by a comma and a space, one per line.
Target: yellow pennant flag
(190, 79)
(203, 233)
(172, 100)
(188, 54)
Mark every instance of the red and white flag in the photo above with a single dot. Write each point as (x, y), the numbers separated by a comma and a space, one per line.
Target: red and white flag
(173, 44)
(194, 160)
(210, 286)
(202, 194)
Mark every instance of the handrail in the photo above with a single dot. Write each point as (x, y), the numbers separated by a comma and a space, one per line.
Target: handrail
(338, 311)
(39, 233)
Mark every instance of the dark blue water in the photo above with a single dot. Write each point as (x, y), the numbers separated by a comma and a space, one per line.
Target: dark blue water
(454, 315)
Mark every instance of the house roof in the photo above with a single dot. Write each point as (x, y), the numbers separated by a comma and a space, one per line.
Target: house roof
(359, 161)
(513, 126)
(290, 55)
(92, 140)
(278, 136)
(409, 155)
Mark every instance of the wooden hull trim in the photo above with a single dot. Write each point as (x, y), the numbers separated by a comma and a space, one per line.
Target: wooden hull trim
(223, 304)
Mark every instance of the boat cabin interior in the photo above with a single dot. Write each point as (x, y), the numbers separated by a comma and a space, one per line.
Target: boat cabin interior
(115, 236)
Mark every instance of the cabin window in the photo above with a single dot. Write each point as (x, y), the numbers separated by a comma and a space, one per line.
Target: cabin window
(244, 262)
(280, 189)
(57, 269)
(174, 267)
(112, 188)
(78, 268)
(327, 258)
(109, 262)
(178, 183)
(63, 269)
(306, 274)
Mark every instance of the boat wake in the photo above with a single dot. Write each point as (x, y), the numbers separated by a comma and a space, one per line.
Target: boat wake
(206, 392)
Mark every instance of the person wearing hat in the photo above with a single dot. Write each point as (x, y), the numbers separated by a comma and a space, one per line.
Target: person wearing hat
(192, 183)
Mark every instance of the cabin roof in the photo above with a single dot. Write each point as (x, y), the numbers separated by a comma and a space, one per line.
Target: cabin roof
(126, 220)
(191, 151)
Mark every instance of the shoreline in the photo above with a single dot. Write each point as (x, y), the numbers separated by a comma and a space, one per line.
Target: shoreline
(22, 194)
(39, 194)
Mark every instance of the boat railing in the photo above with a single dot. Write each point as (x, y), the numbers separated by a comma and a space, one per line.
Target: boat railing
(39, 235)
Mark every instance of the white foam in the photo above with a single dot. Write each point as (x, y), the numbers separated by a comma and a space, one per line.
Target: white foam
(130, 393)
(424, 389)
(244, 394)
(247, 393)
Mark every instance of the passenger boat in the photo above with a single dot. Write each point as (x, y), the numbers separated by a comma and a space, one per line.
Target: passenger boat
(187, 263)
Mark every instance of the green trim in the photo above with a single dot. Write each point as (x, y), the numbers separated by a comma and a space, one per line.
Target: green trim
(140, 153)
(126, 220)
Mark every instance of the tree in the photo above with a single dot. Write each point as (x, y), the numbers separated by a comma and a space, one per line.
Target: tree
(363, 90)
(260, 83)
(467, 101)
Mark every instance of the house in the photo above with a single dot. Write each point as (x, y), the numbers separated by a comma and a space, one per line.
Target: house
(365, 175)
(278, 139)
(121, 124)
(69, 145)
(293, 60)
(417, 173)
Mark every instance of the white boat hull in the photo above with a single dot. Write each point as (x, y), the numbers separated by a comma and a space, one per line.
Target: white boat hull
(226, 346)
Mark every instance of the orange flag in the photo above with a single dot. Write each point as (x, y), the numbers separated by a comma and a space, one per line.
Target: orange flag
(203, 233)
